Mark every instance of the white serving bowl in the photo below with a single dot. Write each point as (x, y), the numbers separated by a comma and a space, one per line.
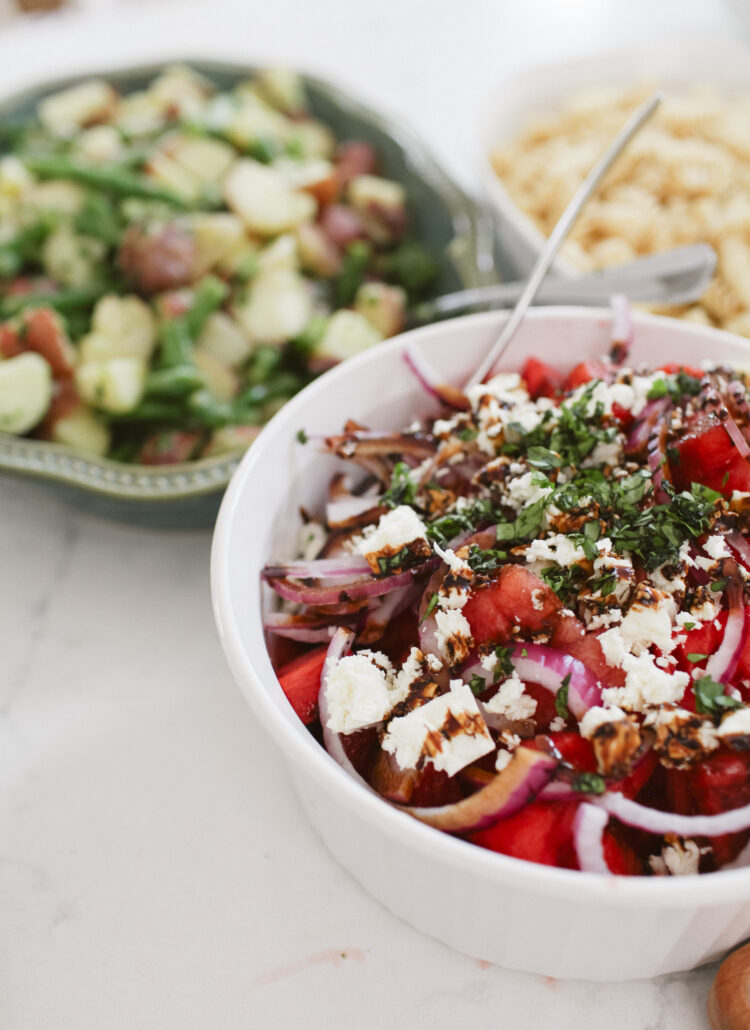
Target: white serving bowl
(673, 65)
(517, 914)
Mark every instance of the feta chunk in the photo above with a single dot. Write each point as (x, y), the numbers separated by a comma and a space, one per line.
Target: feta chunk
(558, 548)
(359, 691)
(682, 858)
(453, 634)
(737, 724)
(448, 731)
(395, 530)
(596, 717)
(512, 700)
(716, 547)
(646, 685)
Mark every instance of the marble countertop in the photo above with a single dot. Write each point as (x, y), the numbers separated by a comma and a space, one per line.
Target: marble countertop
(156, 869)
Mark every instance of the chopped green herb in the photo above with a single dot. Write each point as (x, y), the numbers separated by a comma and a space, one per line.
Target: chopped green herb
(389, 563)
(710, 698)
(524, 653)
(302, 436)
(658, 390)
(403, 489)
(485, 562)
(543, 458)
(689, 625)
(719, 585)
(431, 606)
(477, 684)
(589, 783)
(561, 699)
(696, 657)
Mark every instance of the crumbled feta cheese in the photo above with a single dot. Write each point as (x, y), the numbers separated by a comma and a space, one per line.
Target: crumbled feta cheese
(736, 724)
(510, 740)
(395, 529)
(559, 549)
(643, 626)
(359, 691)
(505, 387)
(512, 700)
(522, 490)
(457, 565)
(596, 717)
(448, 731)
(706, 611)
(558, 724)
(678, 859)
(707, 564)
(604, 619)
(716, 547)
(453, 634)
(410, 672)
(537, 600)
(605, 454)
(433, 663)
(646, 685)
(443, 426)
(489, 662)
(503, 760)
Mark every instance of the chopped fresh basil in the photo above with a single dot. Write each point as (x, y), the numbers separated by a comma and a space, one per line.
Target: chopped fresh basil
(302, 436)
(485, 562)
(504, 665)
(561, 699)
(543, 458)
(696, 657)
(710, 698)
(589, 783)
(391, 562)
(477, 684)
(403, 489)
(431, 606)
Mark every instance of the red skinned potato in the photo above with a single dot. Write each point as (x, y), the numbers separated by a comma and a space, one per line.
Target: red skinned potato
(158, 258)
(729, 998)
(355, 158)
(342, 225)
(169, 447)
(43, 332)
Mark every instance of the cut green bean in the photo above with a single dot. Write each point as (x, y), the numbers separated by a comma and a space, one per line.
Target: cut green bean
(114, 179)
(210, 294)
(209, 411)
(173, 383)
(63, 301)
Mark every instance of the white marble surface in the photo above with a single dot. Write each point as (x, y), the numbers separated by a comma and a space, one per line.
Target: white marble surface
(156, 869)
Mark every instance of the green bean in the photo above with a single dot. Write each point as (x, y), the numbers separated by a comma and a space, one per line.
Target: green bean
(113, 178)
(210, 294)
(176, 345)
(209, 411)
(63, 301)
(99, 218)
(353, 268)
(153, 410)
(174, 382)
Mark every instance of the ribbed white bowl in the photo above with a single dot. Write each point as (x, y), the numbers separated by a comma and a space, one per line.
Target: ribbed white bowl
(524, 916)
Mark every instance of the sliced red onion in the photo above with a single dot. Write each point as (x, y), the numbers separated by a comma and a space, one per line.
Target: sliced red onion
(722, 663)
(622, 327)
(340, 644)
(740, 546)
(320, 568)
(657, 459)
(653, 820)
(638, 437)
(346, 512)
(548, 667)
(735, 434)
(559, 791)
(429, 381)
(303, 634)
(741, 861)
(588, 833)
(342, 593)
(378, 618)
(504, 795)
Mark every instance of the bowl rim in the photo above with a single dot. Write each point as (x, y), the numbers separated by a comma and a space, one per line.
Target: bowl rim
(699, 891)
(726, 60)
(471, 254)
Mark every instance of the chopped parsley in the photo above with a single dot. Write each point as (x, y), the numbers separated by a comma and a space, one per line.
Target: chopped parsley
(485, 562)
(543, 458)
(504, 665)
(561, 699)
(564, 580)
(695, 657)
(447, 527)
(589, 783)
(403, 489)
(528, 523)
(477, 684)
(389, 563)
(710, 698)
(431, 606)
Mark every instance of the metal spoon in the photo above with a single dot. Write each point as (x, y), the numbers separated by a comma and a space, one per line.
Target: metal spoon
(560, 232)
(676, 276)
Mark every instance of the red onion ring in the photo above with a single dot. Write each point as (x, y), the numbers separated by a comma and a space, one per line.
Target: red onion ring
(588, 831)
(735, 435)
(320, 568)
(428, 380)
(353, 590)
(740, 546)
(340, 644)
(548, 667)
(722, 663)
(507, 792)
(304, 635)
(638, 437)
(346, 512)
(653, 820)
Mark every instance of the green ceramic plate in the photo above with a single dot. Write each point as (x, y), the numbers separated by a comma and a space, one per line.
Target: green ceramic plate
(458, 232)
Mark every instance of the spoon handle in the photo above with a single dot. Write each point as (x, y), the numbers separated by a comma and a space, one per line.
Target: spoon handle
(561, 230)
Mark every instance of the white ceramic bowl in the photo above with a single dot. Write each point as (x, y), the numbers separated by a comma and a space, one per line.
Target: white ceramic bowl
(517, 914)
(673, 65)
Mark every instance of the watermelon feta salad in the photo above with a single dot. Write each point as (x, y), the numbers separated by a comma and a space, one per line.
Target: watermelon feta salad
(524, 621)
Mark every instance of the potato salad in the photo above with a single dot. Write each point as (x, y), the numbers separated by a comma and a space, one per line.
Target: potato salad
(176, 262)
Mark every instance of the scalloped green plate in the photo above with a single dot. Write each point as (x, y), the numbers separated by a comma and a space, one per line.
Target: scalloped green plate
(457, 230)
